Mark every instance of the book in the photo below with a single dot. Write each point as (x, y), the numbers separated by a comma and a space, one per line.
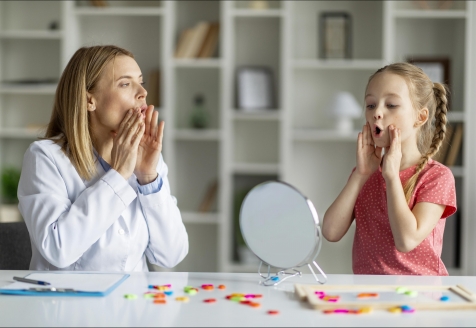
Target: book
(195, 41)
(209, 198)
(440, 156)
(184, 39)
(210, 43)
(99, 3)
(455, 146)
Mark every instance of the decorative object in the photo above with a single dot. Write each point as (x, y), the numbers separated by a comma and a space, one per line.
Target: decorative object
(255, 88)
(335, 35)
(440, 4)
(199, 115)
(9, 185)
(258, 4)
(343, 107)
(437, 69)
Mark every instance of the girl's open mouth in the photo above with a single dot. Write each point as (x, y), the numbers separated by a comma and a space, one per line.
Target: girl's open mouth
(378, 131)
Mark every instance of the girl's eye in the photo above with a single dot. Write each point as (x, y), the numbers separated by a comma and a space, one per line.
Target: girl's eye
(391, 106)
(370, 106)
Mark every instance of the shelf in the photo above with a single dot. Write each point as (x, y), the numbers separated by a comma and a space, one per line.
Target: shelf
(345, 64)
(458, 171)
(430, 13)
(262, 115)
(256, 168)
(123, 11)
(454, 117)
(257, 12)
(21, 133)
(31, 34)
(197, 135)
(30, 89)
(200, 218)
(324, 135)
(198, 63)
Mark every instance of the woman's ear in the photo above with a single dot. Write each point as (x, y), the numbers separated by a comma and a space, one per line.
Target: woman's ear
(422, 117)
(91, 102)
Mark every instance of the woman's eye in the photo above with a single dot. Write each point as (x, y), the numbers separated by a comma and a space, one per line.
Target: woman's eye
(124, 84)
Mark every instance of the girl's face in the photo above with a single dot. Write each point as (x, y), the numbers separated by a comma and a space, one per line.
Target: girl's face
(119, 89)
(387, 102)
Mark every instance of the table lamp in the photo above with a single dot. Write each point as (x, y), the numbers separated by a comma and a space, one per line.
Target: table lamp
(343, 107)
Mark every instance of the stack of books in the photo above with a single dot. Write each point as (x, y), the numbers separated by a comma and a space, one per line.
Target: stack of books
(451, 146)
(199, 41)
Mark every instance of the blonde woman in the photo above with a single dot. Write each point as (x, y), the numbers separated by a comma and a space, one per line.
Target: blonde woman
(94, 193)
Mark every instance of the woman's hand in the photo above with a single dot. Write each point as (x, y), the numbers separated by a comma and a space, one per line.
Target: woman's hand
(368, 156)
(393, 155)
(126, 142)
(150, 147)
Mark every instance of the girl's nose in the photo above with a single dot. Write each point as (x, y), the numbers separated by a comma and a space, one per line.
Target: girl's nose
(377, 114)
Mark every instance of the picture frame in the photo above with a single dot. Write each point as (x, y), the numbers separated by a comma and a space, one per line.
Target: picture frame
(255, 88)
(437, 68)
(335, 35)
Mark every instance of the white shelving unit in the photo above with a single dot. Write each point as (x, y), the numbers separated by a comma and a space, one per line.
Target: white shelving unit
(294, 142)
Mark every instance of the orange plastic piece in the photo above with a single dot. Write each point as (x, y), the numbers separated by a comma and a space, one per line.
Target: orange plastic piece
(221, 287)
(273, 312)
(160, 301)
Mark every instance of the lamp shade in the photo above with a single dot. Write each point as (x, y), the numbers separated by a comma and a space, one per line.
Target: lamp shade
(344, 104)
(344, 107)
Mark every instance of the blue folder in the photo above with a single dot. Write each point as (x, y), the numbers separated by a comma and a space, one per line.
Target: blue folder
(67, 284)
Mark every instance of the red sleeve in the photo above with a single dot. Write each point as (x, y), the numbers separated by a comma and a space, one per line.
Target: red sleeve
(437, 186)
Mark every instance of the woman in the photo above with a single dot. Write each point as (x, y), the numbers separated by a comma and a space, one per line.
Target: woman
(94, 193)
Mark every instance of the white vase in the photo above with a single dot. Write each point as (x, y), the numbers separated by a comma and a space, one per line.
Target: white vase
(10, 213)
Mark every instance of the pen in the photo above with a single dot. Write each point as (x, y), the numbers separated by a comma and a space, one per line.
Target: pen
(31, 281)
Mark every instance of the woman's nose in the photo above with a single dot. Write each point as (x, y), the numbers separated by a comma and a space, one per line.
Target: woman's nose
(142, 92)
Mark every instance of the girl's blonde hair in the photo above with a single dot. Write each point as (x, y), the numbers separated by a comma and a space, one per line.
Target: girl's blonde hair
(433, 96)
(69, 125)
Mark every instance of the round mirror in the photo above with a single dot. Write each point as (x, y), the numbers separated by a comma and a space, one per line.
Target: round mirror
(280, 225)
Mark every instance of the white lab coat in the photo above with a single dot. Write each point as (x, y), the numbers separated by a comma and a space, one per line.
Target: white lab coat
(102, 224)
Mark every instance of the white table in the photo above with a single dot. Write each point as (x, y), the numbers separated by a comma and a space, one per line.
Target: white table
(115, 310)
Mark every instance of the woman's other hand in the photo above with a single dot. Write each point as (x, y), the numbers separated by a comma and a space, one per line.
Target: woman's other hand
(150, 147)
(368, 156)
(126, 142)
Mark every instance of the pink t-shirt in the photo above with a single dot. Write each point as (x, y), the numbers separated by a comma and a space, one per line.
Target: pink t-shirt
(374, 250)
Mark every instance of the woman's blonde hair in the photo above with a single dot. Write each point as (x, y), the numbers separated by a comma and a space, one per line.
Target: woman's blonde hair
(424, 94)
(69, 125)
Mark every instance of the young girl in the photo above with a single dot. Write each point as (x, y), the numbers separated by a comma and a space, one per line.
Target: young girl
(398, 200)
(94, 193)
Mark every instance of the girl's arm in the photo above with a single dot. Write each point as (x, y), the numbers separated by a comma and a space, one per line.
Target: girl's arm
(339, 216)
(409, 227)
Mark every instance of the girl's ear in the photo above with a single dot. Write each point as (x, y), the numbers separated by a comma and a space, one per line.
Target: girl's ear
(422, 117)
(91, 102)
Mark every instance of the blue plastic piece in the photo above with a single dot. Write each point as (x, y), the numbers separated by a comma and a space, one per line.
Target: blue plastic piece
(444, 298)
(275, 278)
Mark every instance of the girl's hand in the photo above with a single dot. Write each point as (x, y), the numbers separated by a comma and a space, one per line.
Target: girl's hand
(126, 143)
(368, 156)
(150, 147)
(393, 155)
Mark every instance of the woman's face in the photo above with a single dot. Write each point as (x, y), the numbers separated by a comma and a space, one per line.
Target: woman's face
(119, 89)
(388, 102)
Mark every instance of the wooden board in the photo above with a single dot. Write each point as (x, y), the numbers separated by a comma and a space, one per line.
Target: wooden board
(428, 298)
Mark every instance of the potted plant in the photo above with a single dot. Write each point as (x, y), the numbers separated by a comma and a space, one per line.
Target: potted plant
(9, 180)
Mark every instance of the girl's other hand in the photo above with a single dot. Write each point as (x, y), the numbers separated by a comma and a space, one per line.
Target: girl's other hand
(150, 147)
(368, 156)
(393, 155)
(126, 142)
